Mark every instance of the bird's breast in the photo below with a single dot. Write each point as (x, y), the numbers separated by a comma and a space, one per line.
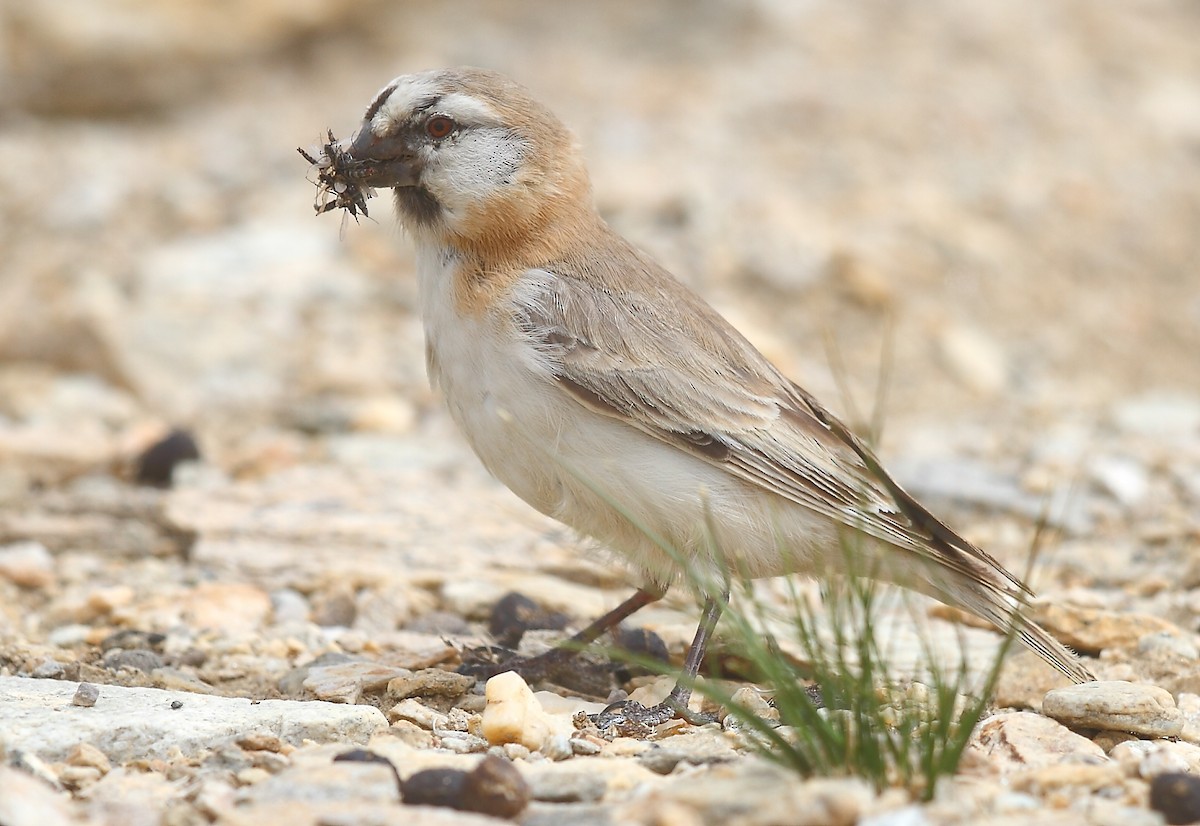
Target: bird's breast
(498, 393)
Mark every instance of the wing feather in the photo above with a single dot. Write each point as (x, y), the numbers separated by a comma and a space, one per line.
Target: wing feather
(708, 391)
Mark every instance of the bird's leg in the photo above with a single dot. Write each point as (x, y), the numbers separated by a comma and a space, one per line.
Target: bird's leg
(633, 718)
(544, 665)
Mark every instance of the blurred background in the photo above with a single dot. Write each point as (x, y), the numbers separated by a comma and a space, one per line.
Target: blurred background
(996, 206)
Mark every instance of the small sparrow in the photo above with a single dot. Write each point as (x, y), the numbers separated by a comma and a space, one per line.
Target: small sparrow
(607, 395)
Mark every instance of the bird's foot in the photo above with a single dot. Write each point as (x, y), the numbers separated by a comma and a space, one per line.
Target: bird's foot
(627, 718)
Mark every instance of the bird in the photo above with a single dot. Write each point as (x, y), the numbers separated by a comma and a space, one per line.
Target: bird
(611, 397)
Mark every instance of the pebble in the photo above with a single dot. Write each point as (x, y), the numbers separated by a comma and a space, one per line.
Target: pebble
(418, 713)
(85, 754)
(1123, 478)
(1093, 630)
(1020, 740)
(494, 787)
(1176, 795)
(27, 564)
(85, 695)
(226, 606)
(974, 358)
(700, 747)
(138, 659)
(513, 714)
(429, 682)
(1115, 704)
(347, 682)
(1148, 758)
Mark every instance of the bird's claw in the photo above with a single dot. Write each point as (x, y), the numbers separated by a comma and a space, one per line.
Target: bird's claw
(628, 718)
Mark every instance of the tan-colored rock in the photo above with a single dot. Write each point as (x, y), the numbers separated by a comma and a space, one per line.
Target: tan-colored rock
(85, 754)
(1116, 704)
(513, 714)
(1092, 630)
(27, 564)
(1019, 740)
(228, 606)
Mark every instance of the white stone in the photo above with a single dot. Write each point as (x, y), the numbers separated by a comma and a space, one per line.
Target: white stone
(139, 723)
(1116, 705)
(27, 564)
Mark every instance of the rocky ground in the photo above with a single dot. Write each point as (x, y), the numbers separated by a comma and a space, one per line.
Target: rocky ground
(1003, 199)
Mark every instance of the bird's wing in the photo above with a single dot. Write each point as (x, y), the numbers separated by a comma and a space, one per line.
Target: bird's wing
(632, 349)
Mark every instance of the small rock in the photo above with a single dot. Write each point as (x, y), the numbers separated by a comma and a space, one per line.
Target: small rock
(422, 715)
(974, 358)
(156, 465)
(335, 610)
(430, 682)
(584, 745)
(1177, 797)
(494, 787)
(1092, 630)
(226, 606)
(86, 695)
(85, 754)
(27, 564)
(78, 778)
(700, 747)
(748, 700)
(1118, 705)
(139, 659)
(1067, 779)
(434, 787)
(261, 741)
(1149, 758)
(289, 606)
(515, 613)
(557, 747)
(347, 682)
(1160, 641)
(130, 638)
(1020, 740)
(1123, 478)
(513, 715)
(48, 669)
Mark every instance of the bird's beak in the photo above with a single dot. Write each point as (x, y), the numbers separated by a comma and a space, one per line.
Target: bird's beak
(382, 162)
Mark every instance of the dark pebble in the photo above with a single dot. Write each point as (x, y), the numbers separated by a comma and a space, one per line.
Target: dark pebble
(434, 787)
(138, 659)
(157, 463)
(516, 613)
(494, 787)
(1177, 796)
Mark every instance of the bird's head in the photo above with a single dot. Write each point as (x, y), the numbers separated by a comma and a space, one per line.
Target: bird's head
(473, 159)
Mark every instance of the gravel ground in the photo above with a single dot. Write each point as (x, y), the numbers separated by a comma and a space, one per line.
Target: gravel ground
(994, 205)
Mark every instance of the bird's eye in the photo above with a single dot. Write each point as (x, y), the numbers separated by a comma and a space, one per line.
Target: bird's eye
(439, 126)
